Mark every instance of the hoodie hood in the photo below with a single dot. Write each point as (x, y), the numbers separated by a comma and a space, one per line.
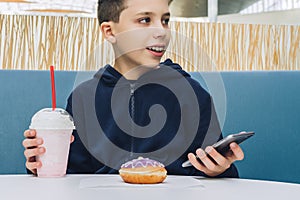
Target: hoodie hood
(167, 71)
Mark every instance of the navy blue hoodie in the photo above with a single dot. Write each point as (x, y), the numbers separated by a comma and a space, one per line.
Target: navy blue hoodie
(163, 115)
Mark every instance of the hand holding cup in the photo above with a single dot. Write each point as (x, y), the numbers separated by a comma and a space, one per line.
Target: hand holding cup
(31, 143)
(48, 142)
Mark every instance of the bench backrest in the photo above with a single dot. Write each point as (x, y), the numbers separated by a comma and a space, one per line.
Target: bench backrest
(265, 102)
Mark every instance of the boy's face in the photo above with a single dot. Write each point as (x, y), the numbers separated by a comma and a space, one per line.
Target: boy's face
(142, 33)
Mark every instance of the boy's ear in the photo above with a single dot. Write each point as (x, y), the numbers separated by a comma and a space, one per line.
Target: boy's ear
(106, 29)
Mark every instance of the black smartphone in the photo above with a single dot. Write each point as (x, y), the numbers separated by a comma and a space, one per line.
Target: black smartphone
(222, 146)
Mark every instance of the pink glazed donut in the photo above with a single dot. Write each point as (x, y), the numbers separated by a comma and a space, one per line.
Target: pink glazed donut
(143, 171)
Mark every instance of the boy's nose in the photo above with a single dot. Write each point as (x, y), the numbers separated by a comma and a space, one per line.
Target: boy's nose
(159, 31)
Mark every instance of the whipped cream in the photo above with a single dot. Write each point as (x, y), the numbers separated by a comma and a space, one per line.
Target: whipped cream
(52, 119)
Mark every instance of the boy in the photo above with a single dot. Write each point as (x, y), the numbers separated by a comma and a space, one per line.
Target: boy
(140, 107)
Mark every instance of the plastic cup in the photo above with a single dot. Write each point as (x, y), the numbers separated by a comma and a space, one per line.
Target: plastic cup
(55, 128)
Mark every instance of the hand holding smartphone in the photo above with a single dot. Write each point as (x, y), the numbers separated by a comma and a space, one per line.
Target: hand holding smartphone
(222, 146)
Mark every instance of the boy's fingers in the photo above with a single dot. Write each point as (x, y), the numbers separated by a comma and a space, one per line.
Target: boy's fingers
(208, 163)
(29, 143)
(32, 166)
(29, 133)
(220, 160)
(195, 162)
(238, 153)
(203, 163)
(72, 138)
(29, 153)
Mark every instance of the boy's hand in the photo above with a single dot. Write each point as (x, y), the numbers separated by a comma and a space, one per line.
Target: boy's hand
(33, 148)
(217, 164)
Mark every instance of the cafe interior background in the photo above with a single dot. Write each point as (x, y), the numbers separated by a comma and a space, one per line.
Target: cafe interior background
(208, 35)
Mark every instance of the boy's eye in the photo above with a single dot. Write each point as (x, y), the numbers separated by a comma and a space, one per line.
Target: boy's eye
(166, 21)
(145, 20)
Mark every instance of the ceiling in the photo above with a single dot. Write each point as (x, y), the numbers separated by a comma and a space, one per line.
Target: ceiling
(179, 8)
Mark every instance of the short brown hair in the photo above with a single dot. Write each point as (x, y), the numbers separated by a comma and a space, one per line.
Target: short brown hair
(110, 10)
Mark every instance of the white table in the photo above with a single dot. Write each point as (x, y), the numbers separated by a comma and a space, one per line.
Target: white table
(100, 187)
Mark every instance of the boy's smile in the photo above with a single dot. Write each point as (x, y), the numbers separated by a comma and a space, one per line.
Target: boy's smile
(142, 34)
(157, 51)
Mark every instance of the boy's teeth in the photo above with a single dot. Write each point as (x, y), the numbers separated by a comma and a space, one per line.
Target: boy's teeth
(159, 49)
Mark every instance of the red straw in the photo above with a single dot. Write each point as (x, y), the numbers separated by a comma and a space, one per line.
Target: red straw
(53, 88)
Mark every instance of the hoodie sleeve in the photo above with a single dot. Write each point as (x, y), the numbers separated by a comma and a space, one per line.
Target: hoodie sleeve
(209, 130)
